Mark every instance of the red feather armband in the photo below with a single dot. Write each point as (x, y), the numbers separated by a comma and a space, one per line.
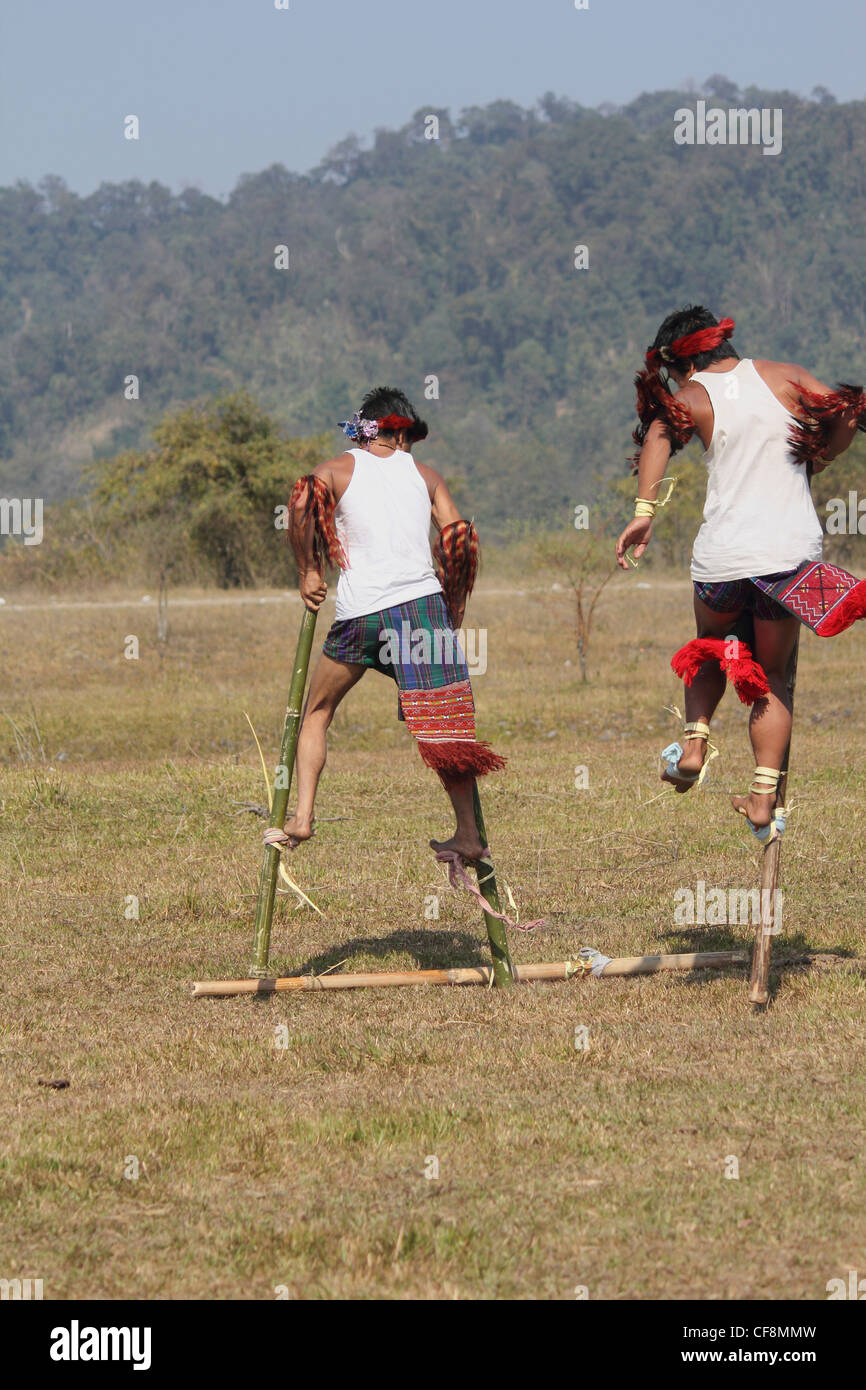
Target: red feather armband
(810, 437)
(311, 501)
(455, 555)
(655, 402)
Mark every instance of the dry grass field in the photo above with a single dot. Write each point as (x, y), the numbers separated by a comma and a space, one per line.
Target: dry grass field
(302, 1167)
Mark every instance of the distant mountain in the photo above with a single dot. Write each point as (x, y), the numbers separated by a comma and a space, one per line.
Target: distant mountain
(450, 258)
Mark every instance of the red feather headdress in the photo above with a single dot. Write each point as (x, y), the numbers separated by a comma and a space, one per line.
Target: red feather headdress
(684, 349)
(395, 422)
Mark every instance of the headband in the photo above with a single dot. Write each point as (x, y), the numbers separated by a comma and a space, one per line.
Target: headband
(683, 349)
(360, 428)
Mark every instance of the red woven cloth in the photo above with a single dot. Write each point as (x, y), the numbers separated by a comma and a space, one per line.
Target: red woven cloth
(443, 723)
(825, 597)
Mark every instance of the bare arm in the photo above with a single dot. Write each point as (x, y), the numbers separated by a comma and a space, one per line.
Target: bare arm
(654, 457)
(444, 509)
(443, 513)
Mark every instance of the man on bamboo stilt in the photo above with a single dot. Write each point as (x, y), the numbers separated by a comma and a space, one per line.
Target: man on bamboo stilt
(369, 512)
(765, 426)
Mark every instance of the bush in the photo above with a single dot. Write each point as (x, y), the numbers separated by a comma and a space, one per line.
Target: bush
(200, 506)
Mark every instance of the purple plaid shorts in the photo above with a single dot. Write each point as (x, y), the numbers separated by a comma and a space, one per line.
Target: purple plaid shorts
(736, 595)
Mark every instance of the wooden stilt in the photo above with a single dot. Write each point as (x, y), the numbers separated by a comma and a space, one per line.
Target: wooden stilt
(474, 974)
(768, 927)
(280, 803)
(503, 970)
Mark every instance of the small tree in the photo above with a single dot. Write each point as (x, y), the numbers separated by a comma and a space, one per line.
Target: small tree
(203, 502)
(584, 555)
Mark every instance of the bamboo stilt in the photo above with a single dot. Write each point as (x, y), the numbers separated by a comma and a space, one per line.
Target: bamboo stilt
(503, 970)
(280, 803)
(767, 927)
(474, 974)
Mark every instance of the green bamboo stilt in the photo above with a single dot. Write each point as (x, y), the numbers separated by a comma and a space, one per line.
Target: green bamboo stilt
(768, 927)
(280, 803)
(503, 971)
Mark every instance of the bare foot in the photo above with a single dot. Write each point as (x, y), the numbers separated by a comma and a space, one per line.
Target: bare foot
(694, 752)
(469, 847)
(299, 830)
(759, 809)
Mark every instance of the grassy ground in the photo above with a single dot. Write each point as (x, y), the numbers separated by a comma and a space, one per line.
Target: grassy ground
(303, 1166)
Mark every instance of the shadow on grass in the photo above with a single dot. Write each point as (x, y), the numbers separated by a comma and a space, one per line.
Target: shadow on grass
(792, 953)
(431, 950)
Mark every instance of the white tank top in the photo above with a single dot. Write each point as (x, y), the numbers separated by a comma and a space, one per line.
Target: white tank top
(759, 517)
(383, 522)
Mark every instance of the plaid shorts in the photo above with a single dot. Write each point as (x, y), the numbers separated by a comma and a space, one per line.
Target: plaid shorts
(413, 643)
(738, 595)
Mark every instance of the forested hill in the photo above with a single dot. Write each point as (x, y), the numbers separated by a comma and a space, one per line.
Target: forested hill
(449, 257)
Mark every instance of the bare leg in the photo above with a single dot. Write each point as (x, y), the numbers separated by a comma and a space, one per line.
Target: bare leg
(770, 721)
(331, 681)
(465, 840)
(703, 695)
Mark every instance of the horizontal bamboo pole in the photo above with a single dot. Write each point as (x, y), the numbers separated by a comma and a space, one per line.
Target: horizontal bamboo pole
(471, 975)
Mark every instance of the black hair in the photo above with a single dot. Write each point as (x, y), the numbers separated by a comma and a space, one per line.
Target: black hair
(383, 401)
(689, 320)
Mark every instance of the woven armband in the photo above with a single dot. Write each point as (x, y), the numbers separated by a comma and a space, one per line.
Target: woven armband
(311, 500)
(455, 555)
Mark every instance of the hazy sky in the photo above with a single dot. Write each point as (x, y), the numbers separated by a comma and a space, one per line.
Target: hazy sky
(224, 87)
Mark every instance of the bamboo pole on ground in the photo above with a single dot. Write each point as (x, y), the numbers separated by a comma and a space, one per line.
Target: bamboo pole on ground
(767, 926)
(474, 974)
(280, 801)
(503, 970)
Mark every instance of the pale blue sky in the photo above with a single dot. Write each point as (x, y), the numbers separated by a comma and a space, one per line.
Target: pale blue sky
(224, 87)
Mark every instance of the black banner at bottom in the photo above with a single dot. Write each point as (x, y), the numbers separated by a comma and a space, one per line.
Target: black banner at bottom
(57, 1339)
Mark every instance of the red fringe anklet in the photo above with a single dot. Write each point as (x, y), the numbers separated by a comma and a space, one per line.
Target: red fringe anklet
(733, 656)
